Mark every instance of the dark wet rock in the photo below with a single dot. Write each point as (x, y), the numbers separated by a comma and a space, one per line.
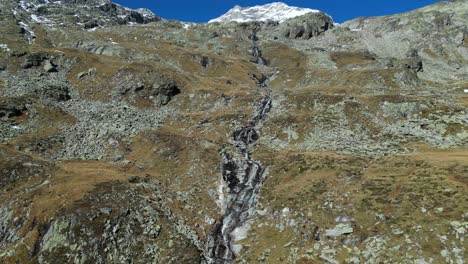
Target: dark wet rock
(33, 60)
(109, 8)
(263, 108)
(205, 61)
(257, 56)
(414, 61)
(166, 89)
(136, 17)
(229, 170)
(134, 179)
(91, 24)
(42, 10)
(247, 135)
(12, 110)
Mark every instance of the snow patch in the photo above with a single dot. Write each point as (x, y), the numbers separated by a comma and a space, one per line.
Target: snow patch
(113, 42)
(187, 25)
(4, 47)
(24, 6)
(40, 20)
(240, 233)
(275, 11)
(146, 13)
(32, 35)
(221, 201)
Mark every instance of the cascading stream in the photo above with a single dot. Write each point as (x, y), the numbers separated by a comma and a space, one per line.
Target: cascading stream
(242, 178)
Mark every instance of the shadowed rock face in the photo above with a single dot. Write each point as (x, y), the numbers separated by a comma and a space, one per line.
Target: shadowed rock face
(261, 142)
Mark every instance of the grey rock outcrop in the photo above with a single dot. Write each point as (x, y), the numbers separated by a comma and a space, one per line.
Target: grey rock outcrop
(306, 26)
(86, 14)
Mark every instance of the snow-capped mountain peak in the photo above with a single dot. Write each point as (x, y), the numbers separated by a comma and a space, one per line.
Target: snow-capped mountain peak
(276, 11)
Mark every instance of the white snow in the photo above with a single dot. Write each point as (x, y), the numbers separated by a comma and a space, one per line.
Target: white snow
(113, 42)
(32, 35)
(240, 232)
(187, 25)
(39, 19)
(221, 201)
(275, 11)
(145, 12)
(23, 5)
(4, 47)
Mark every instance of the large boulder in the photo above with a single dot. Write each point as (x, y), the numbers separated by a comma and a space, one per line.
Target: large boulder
(306, 26)
(33, 60)
(165, 89)
(413, 61)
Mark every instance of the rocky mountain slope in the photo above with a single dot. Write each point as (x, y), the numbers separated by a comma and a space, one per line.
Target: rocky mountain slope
(126, 138)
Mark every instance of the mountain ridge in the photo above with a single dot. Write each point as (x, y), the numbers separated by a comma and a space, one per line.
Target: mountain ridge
(276, 11)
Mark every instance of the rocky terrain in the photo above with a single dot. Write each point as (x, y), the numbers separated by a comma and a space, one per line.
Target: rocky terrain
(127, 138)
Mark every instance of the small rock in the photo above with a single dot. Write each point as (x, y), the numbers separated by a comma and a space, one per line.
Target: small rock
(459, 227)
(463, 135)
(341, 229)
(89, 72)
(285, 211)
(133, 179)
(329, 260)
(106, 211)
(49, 67)
(342, 219)
(262, 212)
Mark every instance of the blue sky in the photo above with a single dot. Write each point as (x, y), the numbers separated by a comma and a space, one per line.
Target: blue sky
(340, 10)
